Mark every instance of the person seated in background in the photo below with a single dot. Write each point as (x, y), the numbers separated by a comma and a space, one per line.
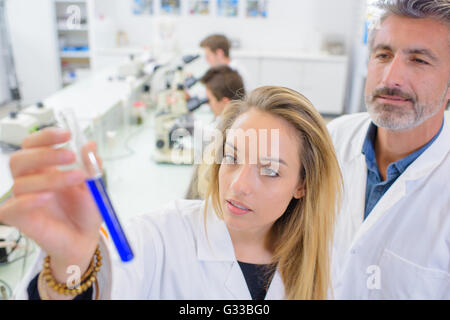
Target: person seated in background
(217, 49)
(223, 85)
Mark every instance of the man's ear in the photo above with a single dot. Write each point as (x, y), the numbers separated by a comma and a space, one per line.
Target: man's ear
(300, 191)
(220, 53)
(225, 100)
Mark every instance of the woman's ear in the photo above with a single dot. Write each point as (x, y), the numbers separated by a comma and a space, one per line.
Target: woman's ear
(300, 191)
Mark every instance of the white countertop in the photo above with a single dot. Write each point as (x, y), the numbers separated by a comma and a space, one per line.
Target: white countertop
(239, 53)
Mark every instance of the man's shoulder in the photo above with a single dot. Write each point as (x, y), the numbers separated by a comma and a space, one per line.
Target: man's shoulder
(348, 120)
(348, 126)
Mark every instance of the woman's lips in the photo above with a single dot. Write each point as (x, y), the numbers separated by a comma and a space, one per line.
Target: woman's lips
(237, 208)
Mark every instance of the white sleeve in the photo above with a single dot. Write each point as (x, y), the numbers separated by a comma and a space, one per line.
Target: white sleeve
(135, 279)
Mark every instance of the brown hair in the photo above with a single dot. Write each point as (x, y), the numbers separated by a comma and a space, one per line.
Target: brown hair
(301, 238)
(224, 82)
(215, 42)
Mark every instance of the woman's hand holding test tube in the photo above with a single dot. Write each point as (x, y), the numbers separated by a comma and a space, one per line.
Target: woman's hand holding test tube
(51, 206)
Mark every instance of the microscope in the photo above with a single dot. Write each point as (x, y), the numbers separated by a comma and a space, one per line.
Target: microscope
(174, 121)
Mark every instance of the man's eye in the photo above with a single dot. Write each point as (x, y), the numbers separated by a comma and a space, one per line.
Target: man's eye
(269, 172)
(420, 61)
(382, 56)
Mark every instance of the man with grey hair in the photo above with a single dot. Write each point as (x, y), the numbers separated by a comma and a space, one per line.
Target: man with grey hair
(392, 237)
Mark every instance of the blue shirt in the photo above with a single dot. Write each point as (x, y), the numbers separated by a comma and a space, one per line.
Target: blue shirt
(375, 186)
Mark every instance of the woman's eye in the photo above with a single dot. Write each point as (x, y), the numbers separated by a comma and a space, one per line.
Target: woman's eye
(229, 159)
(269, 172)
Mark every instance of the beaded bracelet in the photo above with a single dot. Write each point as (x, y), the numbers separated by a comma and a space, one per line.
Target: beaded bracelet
(86, 281)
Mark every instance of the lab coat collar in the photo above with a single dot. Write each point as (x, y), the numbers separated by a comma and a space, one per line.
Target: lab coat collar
(237, 286)
(219, 247)
(214, 243)
(357, 142)
(432, 157)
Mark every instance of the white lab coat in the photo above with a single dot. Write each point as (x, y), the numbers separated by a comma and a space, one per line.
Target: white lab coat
(402, 249)
(173, 260)
(236, 65)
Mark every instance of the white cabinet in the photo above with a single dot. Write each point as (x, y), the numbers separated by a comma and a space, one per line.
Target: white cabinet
(74, 38)
(281, 72)
(34, 43)
(324, 83)
(321, 78)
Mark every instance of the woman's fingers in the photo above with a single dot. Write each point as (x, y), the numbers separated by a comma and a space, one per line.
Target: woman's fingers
(45, 182)
(46, 138)
(27, 161)
(14, 212)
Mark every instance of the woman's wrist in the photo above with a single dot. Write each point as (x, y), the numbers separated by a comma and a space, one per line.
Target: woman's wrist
(61, 280)
(67, 267)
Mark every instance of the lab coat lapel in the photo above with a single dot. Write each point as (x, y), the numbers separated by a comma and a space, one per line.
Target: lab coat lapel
(422, 166)
(395, 193)
(237, 286)
(214, 243)
(276, 288)
(355, 178)
(235, 283)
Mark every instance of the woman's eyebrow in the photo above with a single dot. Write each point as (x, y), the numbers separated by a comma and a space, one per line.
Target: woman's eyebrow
(263, 159)
(231, 145)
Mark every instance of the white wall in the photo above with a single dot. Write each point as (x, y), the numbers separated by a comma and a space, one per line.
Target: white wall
(291, 24)
(33, 37)
(4, 92)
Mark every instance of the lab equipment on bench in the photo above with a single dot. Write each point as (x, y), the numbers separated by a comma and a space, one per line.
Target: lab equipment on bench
(174, 121)
(16, 127)
(89, 163)
(43, 114)
(132, 68)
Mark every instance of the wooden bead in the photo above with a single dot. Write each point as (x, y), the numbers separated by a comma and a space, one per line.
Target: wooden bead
(90, 275)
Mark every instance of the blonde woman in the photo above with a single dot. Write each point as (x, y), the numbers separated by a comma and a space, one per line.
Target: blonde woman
(263, 233)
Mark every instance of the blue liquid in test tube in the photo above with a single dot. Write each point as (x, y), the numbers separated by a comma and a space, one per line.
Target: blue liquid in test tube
(104, 205)
(89, 164)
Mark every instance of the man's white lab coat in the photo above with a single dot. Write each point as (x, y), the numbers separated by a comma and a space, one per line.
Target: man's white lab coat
(402, 249)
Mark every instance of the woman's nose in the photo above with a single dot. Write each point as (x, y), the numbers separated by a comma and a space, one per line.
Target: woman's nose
(244, 181)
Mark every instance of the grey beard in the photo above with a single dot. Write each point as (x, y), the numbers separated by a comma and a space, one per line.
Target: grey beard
(395, 119)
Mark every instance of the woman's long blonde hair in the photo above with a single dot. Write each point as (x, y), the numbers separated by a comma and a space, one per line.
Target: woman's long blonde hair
(301, 238)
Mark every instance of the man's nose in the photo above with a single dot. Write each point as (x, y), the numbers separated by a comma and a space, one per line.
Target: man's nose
(394, 73)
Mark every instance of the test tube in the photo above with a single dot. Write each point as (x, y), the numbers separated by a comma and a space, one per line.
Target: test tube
(87, 161)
